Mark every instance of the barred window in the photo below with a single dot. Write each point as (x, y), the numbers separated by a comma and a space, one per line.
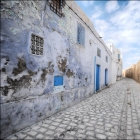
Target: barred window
(106, 59)
(98, 52)
(37, 45)
(56, 6)
(80, 34)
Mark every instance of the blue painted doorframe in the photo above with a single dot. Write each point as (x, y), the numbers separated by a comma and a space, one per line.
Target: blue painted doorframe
(95, 74)
(97, 77)
(106, 75)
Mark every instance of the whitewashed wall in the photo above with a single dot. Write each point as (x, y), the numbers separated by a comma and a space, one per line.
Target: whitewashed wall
(27, 80)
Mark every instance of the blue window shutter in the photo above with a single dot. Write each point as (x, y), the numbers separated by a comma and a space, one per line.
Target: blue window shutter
(80, 34)
(58, 80)
(83, 36)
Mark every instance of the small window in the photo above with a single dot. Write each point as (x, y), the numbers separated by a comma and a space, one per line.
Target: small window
(58, 80)
(80, 34)
(118, 56)
(98, 52)
(56, 6)
(106, 58)
(37, 44)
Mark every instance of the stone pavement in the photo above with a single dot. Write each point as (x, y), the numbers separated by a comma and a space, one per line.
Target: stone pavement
(113, 113)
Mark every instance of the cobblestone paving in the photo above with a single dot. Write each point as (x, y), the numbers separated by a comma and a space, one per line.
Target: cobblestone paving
(113, 113)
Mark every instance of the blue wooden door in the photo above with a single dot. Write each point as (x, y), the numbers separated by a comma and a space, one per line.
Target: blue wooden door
(97, 77)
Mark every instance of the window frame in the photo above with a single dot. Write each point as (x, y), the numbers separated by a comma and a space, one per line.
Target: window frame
(107, 59)
(58, 88)
(79, 25)
(35, 46)
(97, 52)
(56, 6)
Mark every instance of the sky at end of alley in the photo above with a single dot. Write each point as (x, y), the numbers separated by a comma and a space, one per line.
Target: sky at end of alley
(118, 22)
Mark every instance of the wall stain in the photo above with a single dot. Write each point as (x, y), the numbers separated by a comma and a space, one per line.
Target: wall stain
(4, 90)
(69, 73)
(21, 67)
(61, 98)
(24, 81)
(43, 75)
(62, 64)
(31, 73)
(3, 70)
(49, 70)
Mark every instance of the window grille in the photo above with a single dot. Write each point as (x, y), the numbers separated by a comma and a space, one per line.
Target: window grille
(80, 34)
(106, 59)
(37, 45)
(56, 6)
(98, 52)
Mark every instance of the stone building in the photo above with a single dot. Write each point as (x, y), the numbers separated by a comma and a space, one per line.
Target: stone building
(133, 72)
(51, 58)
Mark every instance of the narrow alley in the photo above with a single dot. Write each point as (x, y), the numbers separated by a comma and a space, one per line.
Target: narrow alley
(110, 114)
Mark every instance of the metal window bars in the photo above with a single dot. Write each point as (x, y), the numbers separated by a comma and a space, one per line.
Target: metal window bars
(56, 6)
(36, 45)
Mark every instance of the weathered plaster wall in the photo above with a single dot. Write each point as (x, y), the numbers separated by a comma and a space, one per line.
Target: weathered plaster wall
(27, 81)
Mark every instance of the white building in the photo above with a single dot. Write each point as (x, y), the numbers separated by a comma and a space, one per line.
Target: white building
(51, 58)
(116, 63)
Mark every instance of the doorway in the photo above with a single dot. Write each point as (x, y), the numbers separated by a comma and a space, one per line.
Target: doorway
(97, 77)
(106, 77)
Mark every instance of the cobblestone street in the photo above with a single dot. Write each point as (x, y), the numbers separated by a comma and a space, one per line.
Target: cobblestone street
(110, 114)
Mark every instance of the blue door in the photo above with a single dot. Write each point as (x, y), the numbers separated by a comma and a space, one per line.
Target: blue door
(106, 72)
(97, 77)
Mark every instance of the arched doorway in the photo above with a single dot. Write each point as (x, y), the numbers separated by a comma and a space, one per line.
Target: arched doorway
(106, 77)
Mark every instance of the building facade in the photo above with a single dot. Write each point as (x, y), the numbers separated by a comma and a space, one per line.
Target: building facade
(116, 63)
(133, 72)
(51, 58)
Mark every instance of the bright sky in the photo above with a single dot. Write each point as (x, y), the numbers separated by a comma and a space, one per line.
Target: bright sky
(118, 22)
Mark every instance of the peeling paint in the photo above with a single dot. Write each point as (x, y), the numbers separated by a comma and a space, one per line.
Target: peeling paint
(62, 64)
(70, 73)
(28, 87)
(21, 67)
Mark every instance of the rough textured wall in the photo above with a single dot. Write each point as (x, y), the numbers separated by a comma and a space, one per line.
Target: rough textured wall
(27, 80)
(134, 72)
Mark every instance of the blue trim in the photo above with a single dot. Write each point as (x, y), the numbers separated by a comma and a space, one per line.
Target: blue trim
(97, 77)
(106, 76)
(95, 74)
